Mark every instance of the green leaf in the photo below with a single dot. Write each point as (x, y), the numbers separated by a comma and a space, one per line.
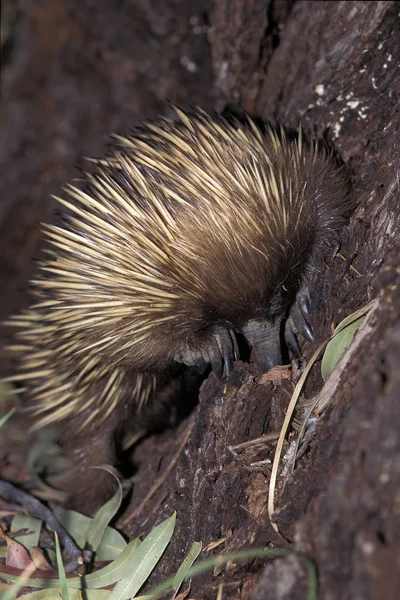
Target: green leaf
(56, 594)
(185, 566)
(101, 578)
(7, 390)
(13, 590)
(111, 573)
(146, 558)
(75, 523)
(4, 418)
(222, 559)
(25, 522)
(77, 526)
(340, 341)
(61, 572)
(104, 515)
(111, 545)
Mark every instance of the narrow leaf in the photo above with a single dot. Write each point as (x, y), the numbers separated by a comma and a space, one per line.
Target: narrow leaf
(30, 523)
(56, 594)
(77, 526)
(185, 566)
(4, 418)
(222, 559)
(21, 580)
(61, 572)
(104, 515)
(101, 578)
(146, 558)
(340, 341)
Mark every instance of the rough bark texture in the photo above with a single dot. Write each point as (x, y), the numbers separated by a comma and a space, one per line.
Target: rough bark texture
(79, 70)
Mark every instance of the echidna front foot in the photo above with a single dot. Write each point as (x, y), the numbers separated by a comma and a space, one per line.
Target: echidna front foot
(297, 323)
(220, 352)
(227, 352)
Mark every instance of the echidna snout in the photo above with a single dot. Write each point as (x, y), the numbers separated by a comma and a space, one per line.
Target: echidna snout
(264, 338)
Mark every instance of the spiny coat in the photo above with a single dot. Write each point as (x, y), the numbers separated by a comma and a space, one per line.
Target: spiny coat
(188, 231)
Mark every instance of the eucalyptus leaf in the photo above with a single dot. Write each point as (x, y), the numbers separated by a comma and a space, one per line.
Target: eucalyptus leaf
(250, 553)
(340, 341)
(78, 525)
(101, 578)
(104, 515)
(111, 573)
(14, 589)
(56, 594)
(186, 564)
(4, 418)
(61, 571)
(145, 559)
(32, 524)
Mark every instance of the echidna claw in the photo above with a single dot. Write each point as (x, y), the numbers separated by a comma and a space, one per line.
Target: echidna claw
(303, 304)
(291, 341)
(228, 351)
(297, 323)
(221, 352)
(236, 352)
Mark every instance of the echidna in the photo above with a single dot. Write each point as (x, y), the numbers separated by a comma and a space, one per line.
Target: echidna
(188, 231)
